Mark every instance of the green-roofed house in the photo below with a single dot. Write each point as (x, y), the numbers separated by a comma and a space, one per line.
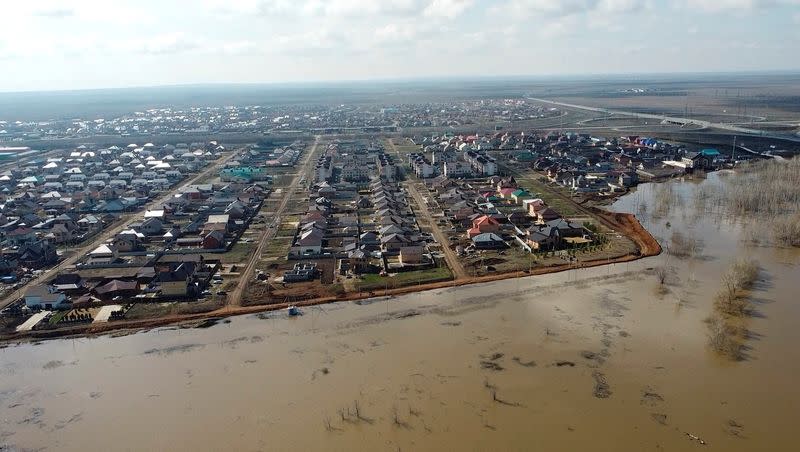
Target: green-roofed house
(520, 195)
(703, 160)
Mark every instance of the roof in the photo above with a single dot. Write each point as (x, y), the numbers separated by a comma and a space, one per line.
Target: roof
(47, 294)
(487, 237)
(116, 286)
(102, 249)
(484, 220)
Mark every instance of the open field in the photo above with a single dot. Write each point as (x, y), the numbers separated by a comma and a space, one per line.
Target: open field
(376, 282)
(726, 97)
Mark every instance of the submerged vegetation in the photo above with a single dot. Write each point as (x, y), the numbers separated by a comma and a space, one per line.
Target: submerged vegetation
(731, 299)
(731, 305)
(683, 245)
(769, 191)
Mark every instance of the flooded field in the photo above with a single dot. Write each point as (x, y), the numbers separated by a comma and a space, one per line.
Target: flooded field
(591, 359)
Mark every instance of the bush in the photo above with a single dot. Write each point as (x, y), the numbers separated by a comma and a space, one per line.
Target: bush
(786, 230)
(741, 276)
(744, 273)
(681, 245)
(724, 338)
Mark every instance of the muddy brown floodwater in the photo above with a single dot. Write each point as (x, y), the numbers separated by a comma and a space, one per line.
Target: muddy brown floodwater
(591, 359)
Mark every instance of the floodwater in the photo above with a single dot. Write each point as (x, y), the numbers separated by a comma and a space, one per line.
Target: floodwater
(590, 359)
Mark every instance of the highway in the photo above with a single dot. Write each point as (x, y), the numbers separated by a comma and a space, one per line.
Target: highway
(675, 119)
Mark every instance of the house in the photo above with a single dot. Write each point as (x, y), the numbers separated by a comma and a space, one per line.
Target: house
(155, 214)
(412, 255)
(308, 242)
(533, 206)
(37, 254)
(45, 297)
(127, 241)
(518, 218)
(103, 254)
(151, 226)
(519, 195)
(553, 234)
(214, 240)
(175, 282)
(8, 266)
(567, 228)
(488, 241)
(60, 234)
(117, 287)
(540, 237)
(217, 223)
(394, 242)
(68, 282)
(483, 224)
(547, 214)
(358, 260)
(20, 235)
(703, 160)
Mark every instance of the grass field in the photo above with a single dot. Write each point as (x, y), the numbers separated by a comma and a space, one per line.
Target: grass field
(532, 182)
(238, 253)
(376, 282)
(404, 146)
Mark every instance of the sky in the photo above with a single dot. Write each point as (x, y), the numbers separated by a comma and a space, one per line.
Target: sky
(85, 44)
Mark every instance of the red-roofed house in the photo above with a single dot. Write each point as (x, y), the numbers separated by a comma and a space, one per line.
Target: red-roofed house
(506, 193)
(482, 225)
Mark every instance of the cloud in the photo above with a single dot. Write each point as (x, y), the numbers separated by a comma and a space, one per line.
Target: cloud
(54, 13)
(166, 44)
(309, 8)
(562, 8)
(447, 8)
(236, 48)
(622, 6)
(735, 5)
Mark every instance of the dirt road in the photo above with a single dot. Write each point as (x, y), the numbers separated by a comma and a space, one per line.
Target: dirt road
(449, 256)
(111, 231)
(235, 297)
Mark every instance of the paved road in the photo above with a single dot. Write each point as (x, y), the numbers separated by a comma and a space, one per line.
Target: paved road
(235, 297)
(108, 233)
(675, 119)
(449, 255)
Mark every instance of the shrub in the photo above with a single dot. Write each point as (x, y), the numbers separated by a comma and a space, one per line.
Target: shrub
(682, 245)
(724, 338)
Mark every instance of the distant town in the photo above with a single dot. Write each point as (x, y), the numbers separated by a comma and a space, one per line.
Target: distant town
(270, 119)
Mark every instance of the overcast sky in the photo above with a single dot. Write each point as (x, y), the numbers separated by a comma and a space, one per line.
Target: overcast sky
(112, 43)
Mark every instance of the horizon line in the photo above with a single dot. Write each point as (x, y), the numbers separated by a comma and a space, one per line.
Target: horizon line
(435, 78)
